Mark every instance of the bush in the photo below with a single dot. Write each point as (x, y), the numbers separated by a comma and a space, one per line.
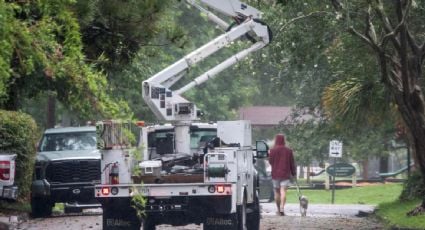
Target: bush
(413, 187)
(19, 135)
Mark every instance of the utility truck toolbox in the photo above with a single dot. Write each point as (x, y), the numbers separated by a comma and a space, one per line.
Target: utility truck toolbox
(151, 168)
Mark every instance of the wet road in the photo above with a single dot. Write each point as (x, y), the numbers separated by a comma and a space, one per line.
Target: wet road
(318, 217)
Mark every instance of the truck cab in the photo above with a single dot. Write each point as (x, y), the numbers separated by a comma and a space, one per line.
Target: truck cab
(67, 167)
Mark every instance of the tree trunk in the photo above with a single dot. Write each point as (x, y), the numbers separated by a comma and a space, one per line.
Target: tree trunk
(51, 111)
(411, 104)
(12, 102)
(308, 173)
(301, 175)
(383, 164)
(365, 165)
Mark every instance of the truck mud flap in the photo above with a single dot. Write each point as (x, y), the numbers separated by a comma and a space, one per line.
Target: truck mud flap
(221, 222)
(119, 215)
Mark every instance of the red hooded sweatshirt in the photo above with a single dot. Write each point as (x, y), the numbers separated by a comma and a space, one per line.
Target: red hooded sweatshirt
(282, 160)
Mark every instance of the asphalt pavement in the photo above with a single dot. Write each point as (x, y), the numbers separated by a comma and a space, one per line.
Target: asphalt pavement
(267, 208)
(321, 210)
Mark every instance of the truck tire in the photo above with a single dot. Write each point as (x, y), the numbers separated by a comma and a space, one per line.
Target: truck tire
(253, 214)
(148, 224)
(242, 214)
(40, 207)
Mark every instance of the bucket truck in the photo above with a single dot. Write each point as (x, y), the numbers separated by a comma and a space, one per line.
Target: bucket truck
(191, 172)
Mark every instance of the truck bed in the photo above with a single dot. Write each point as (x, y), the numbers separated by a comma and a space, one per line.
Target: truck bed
(169, 178)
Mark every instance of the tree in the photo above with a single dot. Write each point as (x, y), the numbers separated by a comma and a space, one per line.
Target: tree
(41, 51)
(393, 32)
(118, 29)
(218, 98)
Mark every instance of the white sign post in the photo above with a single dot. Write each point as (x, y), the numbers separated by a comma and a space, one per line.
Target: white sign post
(335, 148)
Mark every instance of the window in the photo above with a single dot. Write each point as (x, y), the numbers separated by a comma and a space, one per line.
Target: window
(199, 137)
(68, 141)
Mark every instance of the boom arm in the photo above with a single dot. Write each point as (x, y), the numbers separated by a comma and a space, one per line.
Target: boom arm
(170, 105)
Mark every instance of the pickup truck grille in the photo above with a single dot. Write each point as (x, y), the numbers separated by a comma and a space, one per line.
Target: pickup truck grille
(73, 171)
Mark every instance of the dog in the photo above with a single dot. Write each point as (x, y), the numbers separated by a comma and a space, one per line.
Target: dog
(303, 205)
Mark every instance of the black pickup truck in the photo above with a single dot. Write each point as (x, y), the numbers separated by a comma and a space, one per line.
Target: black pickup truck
(66, 169)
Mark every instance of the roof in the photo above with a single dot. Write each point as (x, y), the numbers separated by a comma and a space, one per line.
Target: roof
(265, 115)
(71, 129)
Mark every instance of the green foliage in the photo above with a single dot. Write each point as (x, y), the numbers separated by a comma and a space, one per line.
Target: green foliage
(41, 50)
(414, 187)
(308, 139)
(309, 60)
(19, 135)
(13, 207)
(117, 29)
(138, 202)
(218, 98)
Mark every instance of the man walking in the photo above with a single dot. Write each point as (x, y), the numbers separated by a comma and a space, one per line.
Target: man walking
(283, 169)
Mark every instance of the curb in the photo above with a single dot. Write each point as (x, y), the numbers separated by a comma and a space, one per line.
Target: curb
(11, 222)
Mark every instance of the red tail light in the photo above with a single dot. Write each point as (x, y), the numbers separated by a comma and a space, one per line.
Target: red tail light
(105, 191)
(220, 188)
(4, 170)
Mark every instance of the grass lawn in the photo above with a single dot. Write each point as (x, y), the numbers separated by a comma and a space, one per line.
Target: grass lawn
(393, 215)
(389, 209)
(373, 194)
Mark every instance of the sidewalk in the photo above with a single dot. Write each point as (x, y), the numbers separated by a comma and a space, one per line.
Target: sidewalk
(8, 222)
(321, 210)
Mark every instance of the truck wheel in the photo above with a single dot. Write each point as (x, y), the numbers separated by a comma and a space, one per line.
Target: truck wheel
(253, 212)
(40, 207)
(148, 224)
(242, 214)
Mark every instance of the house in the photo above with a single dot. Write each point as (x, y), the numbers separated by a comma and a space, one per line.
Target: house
(265, 116)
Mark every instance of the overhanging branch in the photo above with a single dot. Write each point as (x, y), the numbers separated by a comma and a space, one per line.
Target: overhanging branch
(365, 39)
(293, 20)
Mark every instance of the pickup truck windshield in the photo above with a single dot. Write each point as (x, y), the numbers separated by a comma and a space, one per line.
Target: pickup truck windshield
(68, 141)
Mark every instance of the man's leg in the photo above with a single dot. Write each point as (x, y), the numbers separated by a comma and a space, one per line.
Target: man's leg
(277, 198)
(282, 191)
(276, 189)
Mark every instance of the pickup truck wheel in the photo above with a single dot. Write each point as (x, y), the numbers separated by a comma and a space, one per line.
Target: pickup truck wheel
(40, 207)
(253, 219)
